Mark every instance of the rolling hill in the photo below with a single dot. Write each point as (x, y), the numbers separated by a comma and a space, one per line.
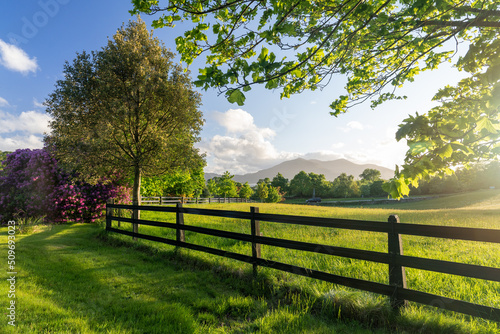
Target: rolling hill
(331, 169)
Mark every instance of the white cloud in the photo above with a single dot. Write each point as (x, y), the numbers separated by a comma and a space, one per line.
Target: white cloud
(37, 104)
(239, 121)
(28, 121)
(15, 59)
(3, 102)
(244, 148)
(324, 155)
(16, 142)
(338, 145)
(24, 130)
(355, 125)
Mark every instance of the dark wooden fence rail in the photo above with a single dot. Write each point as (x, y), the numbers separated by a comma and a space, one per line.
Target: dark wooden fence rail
(397, 289)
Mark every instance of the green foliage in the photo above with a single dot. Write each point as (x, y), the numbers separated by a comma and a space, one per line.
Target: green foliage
(274, 195)
(370, 175)
(3, 156)
(465, 128)
(227, 186)
(223, 186)
(262, 191)
(297, 46)
(177, 183)
(246, 191)
(281, 182)
(300, 184)
(345, 186)
(378, 46)
(127, 108)
(478, 176)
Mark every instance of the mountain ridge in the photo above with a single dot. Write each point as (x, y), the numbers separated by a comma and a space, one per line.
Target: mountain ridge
(331, 169)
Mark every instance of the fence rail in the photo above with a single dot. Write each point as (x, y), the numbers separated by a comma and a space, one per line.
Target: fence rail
(397, 288)
(192, 200)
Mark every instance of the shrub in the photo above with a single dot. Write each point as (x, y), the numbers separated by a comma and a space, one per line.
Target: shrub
(32, 185)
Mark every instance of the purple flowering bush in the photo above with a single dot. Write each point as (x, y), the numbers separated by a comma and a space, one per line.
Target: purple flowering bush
(32, 185)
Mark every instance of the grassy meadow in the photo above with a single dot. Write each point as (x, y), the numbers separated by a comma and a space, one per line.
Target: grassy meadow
(77, 279)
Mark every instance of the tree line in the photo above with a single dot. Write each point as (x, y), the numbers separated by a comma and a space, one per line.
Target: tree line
(303, 185)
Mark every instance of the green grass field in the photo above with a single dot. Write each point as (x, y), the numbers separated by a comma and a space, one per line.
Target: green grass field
(76, 279)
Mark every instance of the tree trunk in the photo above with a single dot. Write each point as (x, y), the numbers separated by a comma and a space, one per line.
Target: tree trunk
(136, 197)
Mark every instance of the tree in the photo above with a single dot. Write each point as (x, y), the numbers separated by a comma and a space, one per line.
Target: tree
(226, 185)
(378, 46)
(318, 185)
(345, 186)
(274, 195)
(127, 108)
(299, 184)
(212, 186)
(464, 129)
(262, 190)
(176, 183)
(281, 182)
(370, 175)
(245, 191)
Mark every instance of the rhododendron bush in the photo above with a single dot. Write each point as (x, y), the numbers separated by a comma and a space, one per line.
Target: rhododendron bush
(32, 185)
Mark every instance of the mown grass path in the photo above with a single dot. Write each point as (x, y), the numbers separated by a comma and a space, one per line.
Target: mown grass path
(69, 281)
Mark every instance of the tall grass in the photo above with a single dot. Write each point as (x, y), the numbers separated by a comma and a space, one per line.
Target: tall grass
(478, 209)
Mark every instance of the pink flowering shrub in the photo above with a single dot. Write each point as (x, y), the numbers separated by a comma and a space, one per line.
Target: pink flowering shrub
(32, 185)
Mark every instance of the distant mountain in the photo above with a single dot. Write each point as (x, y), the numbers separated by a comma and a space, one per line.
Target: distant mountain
(331, 169)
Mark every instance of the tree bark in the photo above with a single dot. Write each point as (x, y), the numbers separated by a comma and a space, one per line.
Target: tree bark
(136, 197)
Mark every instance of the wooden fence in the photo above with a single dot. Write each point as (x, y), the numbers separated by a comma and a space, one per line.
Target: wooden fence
(192, 200)
(397, 288)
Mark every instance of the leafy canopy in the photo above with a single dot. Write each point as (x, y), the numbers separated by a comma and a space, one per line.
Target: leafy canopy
(376, 45)
(298, 45)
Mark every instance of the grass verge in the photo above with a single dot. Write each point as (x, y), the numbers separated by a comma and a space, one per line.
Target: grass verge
(70, 280)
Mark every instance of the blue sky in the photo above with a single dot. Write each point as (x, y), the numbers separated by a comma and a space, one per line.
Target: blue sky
(37, 37)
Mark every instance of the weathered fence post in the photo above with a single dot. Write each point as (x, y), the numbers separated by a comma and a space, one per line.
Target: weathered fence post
(136, 215)
(179, 220)
(255, 230)
(109, 213)
(161, 200)
(397, 275)
(119, 215)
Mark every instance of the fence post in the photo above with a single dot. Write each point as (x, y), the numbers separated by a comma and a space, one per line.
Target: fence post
(161, 200)
(136, 215)
(255, 230)
(179, 221)
(397, 274)
(119, 215)
(109, 213)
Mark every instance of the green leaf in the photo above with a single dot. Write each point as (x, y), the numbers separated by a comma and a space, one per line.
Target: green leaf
(236, 96)
(446, 151)
(420, 147)
(397, 188)
(485, 123)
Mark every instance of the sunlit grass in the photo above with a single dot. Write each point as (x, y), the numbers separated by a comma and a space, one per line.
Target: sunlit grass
(77, 279)
(477, 209)
(71, 281)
